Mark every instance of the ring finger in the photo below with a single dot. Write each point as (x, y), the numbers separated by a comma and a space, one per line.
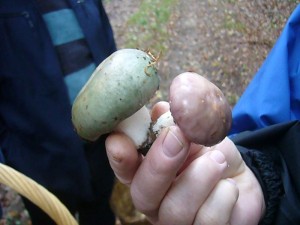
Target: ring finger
(218, 207)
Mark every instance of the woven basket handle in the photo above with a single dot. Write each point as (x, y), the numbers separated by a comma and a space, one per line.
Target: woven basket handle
(37, 194)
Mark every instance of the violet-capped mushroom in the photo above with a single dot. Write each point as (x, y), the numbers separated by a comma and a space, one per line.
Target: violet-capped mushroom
(198, 108)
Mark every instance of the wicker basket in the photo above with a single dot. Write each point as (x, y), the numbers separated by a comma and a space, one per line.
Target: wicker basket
(37, 194)
(123, 207)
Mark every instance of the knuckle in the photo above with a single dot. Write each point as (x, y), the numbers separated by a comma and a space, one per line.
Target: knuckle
(141, 203)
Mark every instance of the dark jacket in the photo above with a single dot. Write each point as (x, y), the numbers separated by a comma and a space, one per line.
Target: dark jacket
(36, 132)
(272, 153)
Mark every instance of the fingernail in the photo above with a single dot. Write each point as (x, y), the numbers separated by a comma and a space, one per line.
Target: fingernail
(172, 145)
(217, 156)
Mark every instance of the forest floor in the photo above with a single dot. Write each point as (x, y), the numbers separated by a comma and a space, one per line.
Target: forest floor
(224, 40)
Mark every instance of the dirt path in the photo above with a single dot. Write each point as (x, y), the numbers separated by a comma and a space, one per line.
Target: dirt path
(226, 41)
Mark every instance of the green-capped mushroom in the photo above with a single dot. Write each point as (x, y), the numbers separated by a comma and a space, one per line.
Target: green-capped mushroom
(119, 87)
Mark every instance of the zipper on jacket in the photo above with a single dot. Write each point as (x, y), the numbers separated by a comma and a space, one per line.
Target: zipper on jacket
(27, 17)
(24, 14)
(82, 5)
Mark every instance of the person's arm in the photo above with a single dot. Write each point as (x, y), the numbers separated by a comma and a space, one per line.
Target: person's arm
(273, 155)
(269, 178)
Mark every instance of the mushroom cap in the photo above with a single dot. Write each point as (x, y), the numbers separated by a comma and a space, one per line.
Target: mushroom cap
(200, 109)
(121, 85)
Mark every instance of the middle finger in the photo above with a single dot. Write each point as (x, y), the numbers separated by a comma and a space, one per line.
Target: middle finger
(191, 189)
(158, 170)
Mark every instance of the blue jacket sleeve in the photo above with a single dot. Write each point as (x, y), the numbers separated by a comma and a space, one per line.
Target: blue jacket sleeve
(273, 96)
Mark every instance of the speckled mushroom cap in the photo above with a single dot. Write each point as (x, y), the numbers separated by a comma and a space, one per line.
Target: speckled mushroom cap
(200, 109)
(121, 85)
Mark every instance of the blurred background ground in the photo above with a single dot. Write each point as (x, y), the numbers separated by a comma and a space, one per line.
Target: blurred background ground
(223, 40)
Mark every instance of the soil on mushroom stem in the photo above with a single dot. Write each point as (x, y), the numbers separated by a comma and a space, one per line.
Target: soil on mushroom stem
(227, 44)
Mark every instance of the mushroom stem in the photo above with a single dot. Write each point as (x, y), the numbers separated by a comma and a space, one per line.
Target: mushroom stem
(164, 121)
(140, 129)
(137, 127)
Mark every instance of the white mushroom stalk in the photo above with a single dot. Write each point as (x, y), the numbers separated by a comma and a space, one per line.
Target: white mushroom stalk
(164, 121)
(138, 128)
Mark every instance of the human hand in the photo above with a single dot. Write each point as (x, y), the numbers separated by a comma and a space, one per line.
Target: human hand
(179, 182)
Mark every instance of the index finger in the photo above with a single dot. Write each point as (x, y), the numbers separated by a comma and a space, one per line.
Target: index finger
(158, 109)
(158, 170)
(123, 157)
